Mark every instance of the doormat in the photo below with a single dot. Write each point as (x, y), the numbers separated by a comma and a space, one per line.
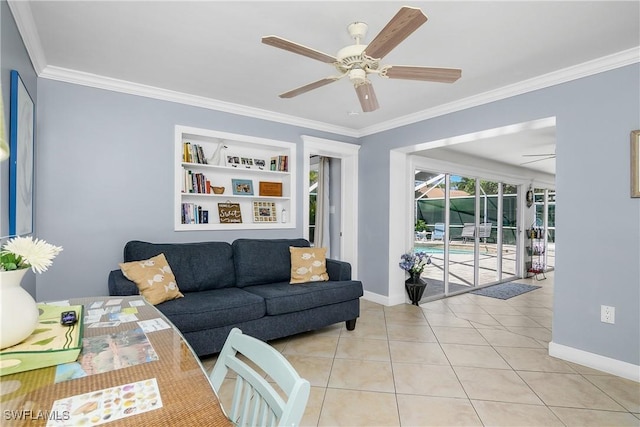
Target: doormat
(505, 290)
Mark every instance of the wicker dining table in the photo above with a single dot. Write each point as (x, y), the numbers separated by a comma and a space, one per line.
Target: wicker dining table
(173, 386)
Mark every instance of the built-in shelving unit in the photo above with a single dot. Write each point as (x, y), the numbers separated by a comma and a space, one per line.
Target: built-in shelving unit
(257, 174)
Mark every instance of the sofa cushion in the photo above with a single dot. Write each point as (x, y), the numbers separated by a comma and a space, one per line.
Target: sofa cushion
(260, 261)
(154, 279)
(196, 266)
(212, 309)
(308, 265)
(282, 298)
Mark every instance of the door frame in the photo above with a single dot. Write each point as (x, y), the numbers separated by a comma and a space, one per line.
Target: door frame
(348, 155)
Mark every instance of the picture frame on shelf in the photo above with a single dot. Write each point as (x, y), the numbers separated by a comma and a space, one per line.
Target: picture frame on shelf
(264, 212)
(233, 161)
(242, 187)
(635, 163)
(260, 163)
(247, 162)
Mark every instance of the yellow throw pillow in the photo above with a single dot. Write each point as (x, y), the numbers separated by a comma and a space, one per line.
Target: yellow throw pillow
(308, 265)
(154, 279)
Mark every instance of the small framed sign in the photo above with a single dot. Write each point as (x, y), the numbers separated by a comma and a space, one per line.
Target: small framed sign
(264, 212)
(267, 188)
(229, 213)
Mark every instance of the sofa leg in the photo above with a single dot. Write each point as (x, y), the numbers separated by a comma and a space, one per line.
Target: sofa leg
(351, 324)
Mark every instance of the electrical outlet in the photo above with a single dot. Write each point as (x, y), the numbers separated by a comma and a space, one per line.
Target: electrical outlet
(607, 314)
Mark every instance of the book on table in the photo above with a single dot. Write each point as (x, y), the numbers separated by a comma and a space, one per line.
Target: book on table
(51, 343)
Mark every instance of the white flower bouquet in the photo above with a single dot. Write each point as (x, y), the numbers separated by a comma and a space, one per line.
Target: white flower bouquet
(26, 252)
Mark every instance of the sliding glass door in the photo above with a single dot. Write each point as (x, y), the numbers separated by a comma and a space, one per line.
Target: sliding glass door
(489, 218)
(469, 227)
(429, 230)
(509, 248)
(462, 222)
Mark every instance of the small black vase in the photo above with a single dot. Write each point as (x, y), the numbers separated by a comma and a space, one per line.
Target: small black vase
(414, 279)
(415, 288)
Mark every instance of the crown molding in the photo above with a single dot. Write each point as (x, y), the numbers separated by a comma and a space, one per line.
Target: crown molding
(606, 63)
(26, 26)
(586, 69)
(23, 17)
(123, 86)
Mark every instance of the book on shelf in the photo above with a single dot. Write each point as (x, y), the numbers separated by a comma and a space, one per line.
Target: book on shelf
(193, 153)
(194, 214)
(196, 183)
(279, 163)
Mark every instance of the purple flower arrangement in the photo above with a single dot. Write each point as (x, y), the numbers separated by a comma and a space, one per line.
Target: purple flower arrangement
(414, 262)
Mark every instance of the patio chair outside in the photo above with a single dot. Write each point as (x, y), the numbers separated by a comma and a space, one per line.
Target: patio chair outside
(484, 230)
(255, 401)
(438, 231)
(468, 231)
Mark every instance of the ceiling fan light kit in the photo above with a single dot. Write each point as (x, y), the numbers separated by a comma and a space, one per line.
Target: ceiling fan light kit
(359, 60)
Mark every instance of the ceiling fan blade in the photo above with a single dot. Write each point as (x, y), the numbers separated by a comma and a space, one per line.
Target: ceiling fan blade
(442, 75)
(290, 46)
(367, 97)
(405, 22)
(306, 88)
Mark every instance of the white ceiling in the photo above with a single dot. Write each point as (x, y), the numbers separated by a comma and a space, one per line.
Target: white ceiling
(530, 145)
(209, 52)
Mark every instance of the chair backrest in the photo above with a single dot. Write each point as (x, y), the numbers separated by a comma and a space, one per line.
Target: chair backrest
(484, 230)
(438, 231)
(468, 230)
(255, 401)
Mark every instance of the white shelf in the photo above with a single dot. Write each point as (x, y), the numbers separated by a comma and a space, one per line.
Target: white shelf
(242, 226)
(239, 169)
(234, 196)
(221, 175)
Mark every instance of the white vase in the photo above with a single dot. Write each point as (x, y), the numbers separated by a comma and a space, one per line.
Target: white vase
(18, 310)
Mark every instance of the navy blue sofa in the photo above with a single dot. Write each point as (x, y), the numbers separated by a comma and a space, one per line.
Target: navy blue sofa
(246, 285)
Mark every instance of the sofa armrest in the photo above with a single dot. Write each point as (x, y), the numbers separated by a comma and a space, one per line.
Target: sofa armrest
(120, 285)
(338, 270)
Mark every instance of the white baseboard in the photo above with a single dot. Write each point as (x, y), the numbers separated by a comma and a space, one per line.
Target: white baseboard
(384, 300)
(595, 361)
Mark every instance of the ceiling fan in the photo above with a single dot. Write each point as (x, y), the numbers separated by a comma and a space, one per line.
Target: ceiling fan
(357, 61)
(546, 156)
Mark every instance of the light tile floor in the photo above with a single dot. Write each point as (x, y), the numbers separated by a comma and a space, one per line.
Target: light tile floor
(467, 360)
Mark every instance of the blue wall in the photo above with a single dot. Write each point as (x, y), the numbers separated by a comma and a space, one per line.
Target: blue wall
(13, 56)
(106, 177)
(598, 224)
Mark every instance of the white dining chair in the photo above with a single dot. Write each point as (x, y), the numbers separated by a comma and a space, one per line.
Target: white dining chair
(255, 401)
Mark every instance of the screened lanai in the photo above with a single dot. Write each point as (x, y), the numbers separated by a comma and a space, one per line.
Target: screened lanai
(480, 245)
